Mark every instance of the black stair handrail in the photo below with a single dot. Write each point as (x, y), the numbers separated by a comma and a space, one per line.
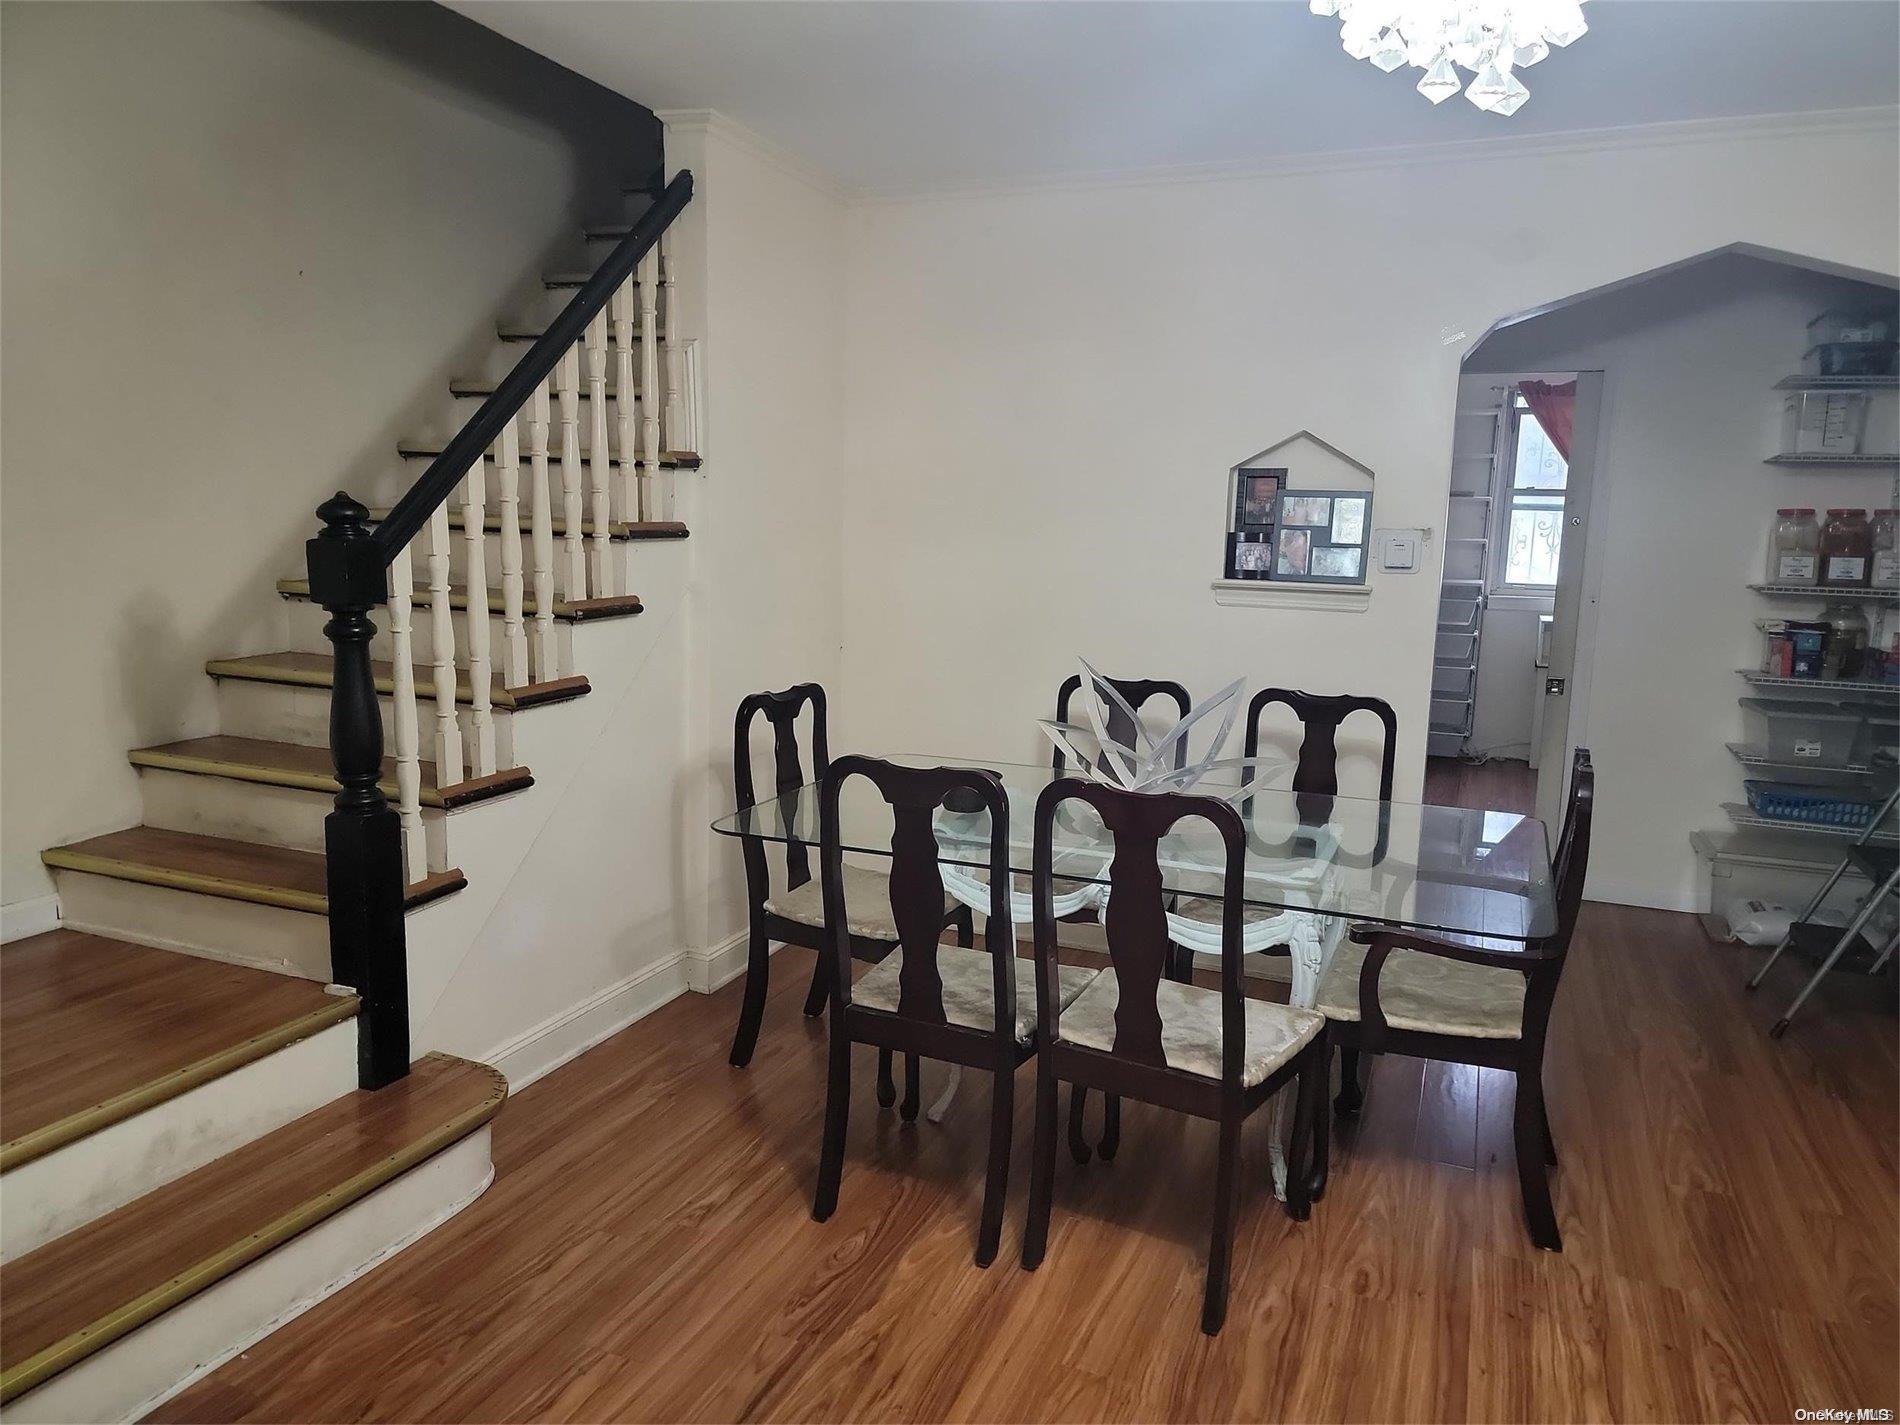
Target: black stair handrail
(349, 564)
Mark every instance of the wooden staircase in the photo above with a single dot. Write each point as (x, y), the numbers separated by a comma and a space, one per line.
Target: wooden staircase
(188, 1158)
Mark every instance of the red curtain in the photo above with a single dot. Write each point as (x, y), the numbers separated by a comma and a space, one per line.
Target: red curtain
(1555, 408)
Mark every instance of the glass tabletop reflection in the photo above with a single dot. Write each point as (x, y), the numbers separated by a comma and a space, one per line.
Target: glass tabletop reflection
(1453, 870)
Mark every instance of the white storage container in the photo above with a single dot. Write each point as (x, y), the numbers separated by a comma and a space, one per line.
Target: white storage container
(1803, 731)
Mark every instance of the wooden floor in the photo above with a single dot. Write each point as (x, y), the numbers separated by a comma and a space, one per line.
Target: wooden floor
(1496, 785)
(647, 1253)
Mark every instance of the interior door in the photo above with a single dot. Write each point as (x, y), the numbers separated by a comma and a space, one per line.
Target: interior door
(1572, 613)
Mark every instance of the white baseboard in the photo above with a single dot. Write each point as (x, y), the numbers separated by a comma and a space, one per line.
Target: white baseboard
(1644, 897)
(719, 965)
(556, 1040)
(29, 917)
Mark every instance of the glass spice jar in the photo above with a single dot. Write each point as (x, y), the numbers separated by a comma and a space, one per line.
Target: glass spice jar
(1794, 548)
(1885, 573)
(1846, 550)
(1847, 636)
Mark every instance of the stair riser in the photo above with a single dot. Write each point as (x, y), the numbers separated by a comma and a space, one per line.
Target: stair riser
(277, 712)
(138, 1372)
(304, 625)
(104, 1170)
(253, 811)
(265, 937)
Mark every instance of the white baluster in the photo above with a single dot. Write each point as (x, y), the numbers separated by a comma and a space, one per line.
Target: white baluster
(672, 428)
(546, 654)
(599, 453)
(448, 732)
(621, 309)
(480, 670)
(567, 385)
(655, 504)
(514, 638)
(402, 583)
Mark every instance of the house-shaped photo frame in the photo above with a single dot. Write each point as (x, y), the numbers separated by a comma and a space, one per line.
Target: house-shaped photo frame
(1274, 535)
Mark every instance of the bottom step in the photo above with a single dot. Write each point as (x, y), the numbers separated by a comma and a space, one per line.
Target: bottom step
(112, 1318)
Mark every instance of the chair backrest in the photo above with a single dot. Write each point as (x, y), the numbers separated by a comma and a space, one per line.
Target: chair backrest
(1320, 715)
(781, 710)
(1136, 691)
(916, 882)
(1135, 921)
(1571, 863)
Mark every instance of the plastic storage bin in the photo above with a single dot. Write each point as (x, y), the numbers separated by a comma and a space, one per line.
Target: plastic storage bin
(1801, 731)
(1823, 422)
(1811, 806)
(1879, 730)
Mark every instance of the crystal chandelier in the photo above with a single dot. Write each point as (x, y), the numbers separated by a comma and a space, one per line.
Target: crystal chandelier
(1490, 38)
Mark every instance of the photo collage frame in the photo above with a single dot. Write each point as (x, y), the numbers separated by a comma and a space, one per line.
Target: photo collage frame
(1297, 536)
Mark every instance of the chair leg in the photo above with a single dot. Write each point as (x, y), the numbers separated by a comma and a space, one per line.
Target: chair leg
(758, 973)
(837, 1114)
(1352, 1093)
(1226, 1190)
(1042, 1171)
(913, 1088)
(1078, 1141)
(1299, 1178)
(1111, 1126)
(1550, 1140)
(820, 990)
(886, 1085)
(1322, 1127)
(1527, 1121)
(996, 1185)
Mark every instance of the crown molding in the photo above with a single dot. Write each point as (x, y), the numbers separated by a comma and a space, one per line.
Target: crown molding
(715, 124)
(1882, 119)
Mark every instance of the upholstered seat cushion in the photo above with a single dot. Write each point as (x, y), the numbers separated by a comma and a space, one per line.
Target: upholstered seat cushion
(969, 988)
(1191, 1027)
(867, 903)
(1428, 993)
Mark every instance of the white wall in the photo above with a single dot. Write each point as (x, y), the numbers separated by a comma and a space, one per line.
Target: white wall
(1689, 362)
(764, 247)
(1045, 391)
(244, 245)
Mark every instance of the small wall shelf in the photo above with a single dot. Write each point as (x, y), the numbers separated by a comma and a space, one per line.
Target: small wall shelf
(1741, 814)
(1287, 594)
(1815, 685)
(1790, 457)
(1819, 591)
(1837, 383)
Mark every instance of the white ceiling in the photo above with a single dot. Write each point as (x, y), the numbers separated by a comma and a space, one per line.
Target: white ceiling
(913, 95)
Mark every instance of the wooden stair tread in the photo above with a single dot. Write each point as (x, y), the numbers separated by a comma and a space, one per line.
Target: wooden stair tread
(313, 670)
(290, 764)
(79, 1293)
(557, 525)
(566, 610)
(424, 449)
(94, 1030)
(219, 866)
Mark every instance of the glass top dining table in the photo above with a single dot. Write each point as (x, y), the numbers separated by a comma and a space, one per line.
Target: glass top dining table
(1451, 870)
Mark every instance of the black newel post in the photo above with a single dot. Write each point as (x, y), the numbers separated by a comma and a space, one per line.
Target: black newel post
(363, 835)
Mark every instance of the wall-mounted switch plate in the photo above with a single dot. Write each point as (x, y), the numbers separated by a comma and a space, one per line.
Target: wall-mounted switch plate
(1398, 550)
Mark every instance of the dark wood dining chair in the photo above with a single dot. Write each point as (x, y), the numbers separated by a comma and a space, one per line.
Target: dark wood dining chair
(1316, 776)
(976, 1008)
(796, 915)
(1391, 991)
(1133, 1033)
(1136, 692)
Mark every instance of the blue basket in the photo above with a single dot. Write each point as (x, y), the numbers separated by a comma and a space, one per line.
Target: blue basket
(1815, 806)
